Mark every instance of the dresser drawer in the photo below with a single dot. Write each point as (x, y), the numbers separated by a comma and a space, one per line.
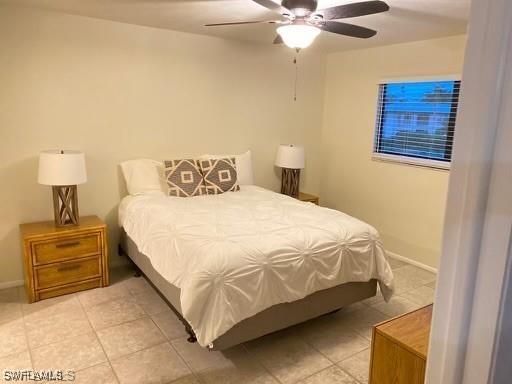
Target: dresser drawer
(63, 248)
(67, 272)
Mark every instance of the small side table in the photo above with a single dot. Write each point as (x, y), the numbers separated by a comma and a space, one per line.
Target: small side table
(62, 260)
(303, 196)
(399, 348)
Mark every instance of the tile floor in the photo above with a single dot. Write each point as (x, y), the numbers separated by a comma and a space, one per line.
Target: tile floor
(125, 333)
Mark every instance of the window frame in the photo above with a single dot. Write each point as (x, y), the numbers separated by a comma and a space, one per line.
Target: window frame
(377, 131)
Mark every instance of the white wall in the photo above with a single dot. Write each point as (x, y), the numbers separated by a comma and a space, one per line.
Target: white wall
(118, 91)
(406, 204)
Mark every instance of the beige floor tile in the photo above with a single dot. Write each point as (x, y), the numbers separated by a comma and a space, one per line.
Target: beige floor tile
(361, 321)
(10, 312)
(12, 338)
(374, 300)
(199, 358)
(57, 327)
(114, 312)
(416, 274)
(101, 373)
(365, 332)
(101, 295)
(139, 349)
(395, 264)
(121, 273)
(335, 340)
(15, 362)
(189, 379)
(423, 295)
(151, 302)
(397, 306)
(137, 285)
(50, 307)
(130, 337)
(244, 370)
(365, 316)
(331, 375)
(355, 306)
(74, 354)
(158, 364)
(404, 283)
(358, 366)
(288, 358)
(169, 324)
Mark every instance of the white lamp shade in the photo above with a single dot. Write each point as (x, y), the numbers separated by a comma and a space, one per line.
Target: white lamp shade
(290, 156)
(298, 35)
(62, 168)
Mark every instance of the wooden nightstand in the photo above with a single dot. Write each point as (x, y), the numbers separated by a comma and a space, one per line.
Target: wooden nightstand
(63, 260)
(303, 196)
(399, 348)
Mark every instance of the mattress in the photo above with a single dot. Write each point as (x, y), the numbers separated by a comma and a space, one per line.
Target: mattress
(239, 253)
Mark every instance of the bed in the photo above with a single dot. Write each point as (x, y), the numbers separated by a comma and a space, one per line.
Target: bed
(243, 264)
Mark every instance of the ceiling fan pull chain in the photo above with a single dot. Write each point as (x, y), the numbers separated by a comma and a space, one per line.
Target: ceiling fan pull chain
(296, 76)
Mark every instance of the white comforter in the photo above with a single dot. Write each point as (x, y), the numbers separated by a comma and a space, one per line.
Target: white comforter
(236, 254)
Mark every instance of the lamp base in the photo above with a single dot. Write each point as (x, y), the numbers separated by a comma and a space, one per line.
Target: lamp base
(290, 182)
(65, 205)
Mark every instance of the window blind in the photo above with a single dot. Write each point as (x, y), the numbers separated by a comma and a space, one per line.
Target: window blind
(417, 119)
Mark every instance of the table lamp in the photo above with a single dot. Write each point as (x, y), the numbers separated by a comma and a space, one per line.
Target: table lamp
(63, 170)
(291, 159)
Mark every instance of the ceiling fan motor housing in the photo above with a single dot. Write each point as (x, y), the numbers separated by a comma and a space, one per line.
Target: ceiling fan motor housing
(307, 6)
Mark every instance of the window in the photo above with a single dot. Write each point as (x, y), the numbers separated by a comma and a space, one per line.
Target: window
(416, 122)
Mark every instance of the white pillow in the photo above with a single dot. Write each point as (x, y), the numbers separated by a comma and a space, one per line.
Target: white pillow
(144, 176)
(244, 170)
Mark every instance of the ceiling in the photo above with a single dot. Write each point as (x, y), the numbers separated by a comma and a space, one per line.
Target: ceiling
(407, 20)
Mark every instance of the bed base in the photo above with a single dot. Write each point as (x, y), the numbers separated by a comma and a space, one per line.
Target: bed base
(188, 328)
(138, 273)
(270, 320)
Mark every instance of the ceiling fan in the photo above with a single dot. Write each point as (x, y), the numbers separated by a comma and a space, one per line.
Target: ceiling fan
(301, 22)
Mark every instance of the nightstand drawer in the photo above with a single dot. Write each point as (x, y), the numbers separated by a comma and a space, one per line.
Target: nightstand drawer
(67, 272)
(67, 289)
(63, 248)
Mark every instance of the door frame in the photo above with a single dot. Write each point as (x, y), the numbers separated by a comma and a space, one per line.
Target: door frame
(468, 322)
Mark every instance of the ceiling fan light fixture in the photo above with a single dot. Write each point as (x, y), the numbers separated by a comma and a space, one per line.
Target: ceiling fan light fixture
(298, 36)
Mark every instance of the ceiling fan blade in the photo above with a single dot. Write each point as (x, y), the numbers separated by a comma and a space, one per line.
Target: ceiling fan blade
(354, 10)
(347, 29)
(243, 22)
(278, 40)
(273, 6)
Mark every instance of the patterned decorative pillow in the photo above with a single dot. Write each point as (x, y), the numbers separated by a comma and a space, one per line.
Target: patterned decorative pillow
(219, 175)
(184, 178)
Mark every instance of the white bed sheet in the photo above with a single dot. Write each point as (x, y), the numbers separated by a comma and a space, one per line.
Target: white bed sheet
(236, 254)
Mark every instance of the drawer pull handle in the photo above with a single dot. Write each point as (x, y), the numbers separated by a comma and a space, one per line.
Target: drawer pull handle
(68, 268)
(68, 245)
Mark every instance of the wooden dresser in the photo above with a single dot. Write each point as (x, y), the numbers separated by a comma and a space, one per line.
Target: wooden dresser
(399, 348)
(63, 260)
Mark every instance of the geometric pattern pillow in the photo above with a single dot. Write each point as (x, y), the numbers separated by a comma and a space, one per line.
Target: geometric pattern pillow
(219, 175)
(184, 178)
